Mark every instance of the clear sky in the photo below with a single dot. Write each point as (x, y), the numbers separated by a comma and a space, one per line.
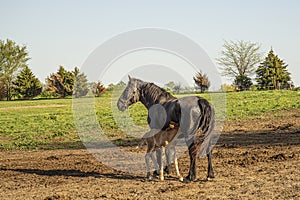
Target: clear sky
(65, 32)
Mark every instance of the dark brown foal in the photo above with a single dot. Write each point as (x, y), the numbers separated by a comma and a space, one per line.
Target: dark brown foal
(160, 140)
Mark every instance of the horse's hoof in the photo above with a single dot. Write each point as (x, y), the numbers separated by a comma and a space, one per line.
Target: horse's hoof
(189, 179)
(162, 178)
(210, 178)
(185, 180)
(167, 170)
(155, 174)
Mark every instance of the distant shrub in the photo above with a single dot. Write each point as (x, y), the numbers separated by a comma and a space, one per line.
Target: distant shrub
(98, 89)
(296, 89)
(253, 88)
(48, 95)
(228, 88)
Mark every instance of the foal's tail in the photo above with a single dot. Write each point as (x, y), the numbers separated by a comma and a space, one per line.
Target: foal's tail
(142, 142)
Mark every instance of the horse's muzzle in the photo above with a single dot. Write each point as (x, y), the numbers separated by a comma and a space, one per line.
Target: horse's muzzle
(121, 106)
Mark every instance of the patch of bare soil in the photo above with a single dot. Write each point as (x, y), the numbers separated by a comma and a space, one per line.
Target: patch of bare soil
(258, 159)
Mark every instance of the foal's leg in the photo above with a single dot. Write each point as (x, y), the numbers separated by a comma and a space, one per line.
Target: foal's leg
(148, 154)
(177, 170)
(170, 157)
(160, 163)
(154, 161)
(150, 149)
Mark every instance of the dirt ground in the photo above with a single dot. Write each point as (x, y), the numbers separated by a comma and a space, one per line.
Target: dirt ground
(257, 159)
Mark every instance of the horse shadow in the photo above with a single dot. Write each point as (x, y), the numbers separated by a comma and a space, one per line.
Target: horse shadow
(74, 173)
(82, 174)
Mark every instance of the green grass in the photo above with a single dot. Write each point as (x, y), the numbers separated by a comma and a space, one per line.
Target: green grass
(50, 123)
(245, 105)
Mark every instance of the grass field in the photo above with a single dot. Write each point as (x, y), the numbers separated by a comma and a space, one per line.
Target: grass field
(50, 123)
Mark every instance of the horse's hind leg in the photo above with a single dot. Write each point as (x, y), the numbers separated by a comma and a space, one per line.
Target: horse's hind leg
(210, 171)
(192, 153)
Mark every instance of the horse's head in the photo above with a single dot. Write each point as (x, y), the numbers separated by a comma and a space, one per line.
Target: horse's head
(130, 95)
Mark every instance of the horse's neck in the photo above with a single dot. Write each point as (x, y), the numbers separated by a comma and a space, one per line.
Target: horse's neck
(149, 99)
(148, 102)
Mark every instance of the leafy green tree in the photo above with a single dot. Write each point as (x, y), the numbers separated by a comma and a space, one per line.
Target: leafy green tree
(273, 73)
(201, 81)
(177, 88)
(239, 60)
(173, 87)
(110, 87)
(81, 87)
(2, 90)
(12, 58)
(170, 87)
(27, 85)
(119, 86)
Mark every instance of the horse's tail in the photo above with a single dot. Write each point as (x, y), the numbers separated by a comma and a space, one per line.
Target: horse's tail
(203, 142)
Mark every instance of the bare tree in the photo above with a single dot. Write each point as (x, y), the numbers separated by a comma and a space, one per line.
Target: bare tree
(239, 59)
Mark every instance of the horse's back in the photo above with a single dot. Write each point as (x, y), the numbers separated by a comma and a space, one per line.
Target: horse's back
(193, 110)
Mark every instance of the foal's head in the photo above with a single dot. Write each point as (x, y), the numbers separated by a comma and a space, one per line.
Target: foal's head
(130, 95)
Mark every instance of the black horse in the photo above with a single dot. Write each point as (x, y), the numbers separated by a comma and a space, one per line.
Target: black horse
(194, 114)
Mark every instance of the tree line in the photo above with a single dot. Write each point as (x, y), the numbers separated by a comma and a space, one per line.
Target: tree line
(18, 81)
(239, 61)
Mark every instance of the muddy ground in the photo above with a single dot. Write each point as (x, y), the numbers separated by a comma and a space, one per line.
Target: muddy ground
(257, 159)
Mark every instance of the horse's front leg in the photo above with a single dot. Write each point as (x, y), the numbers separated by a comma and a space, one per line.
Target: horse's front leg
(160, 163)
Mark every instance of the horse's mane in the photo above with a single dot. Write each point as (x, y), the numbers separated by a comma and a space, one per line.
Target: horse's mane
(156, 93)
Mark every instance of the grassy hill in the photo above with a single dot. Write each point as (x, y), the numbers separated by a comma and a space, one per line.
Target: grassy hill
(50, 123)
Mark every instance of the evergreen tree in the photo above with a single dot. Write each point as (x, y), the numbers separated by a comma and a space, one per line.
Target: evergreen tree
(202, 82)
(81, 87)
(61, 83)
(27, 85)
(272, 73)
(68, 80)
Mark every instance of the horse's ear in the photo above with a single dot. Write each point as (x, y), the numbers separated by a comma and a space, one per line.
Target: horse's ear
(129, 78)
